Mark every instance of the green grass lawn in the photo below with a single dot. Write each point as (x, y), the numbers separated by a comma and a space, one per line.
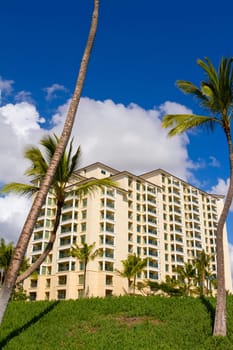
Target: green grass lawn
(124, 323)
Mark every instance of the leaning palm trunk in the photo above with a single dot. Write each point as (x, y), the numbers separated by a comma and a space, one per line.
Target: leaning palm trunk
(30, 222)
(48, 248)
(220, 312)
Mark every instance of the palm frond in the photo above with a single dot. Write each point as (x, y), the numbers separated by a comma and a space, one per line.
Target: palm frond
(180, 123)
(211, 73)
(93, 185)
(21, 189)
(38, 166)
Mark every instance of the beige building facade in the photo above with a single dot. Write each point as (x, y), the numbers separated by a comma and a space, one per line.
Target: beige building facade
(155, 215)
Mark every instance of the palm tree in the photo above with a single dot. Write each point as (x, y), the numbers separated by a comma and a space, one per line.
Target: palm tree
(6, 252)
(186, 274)
(84, 254)
(37, 170)
(132, 266)
(215, 95)
(30, 222)
(202, 263)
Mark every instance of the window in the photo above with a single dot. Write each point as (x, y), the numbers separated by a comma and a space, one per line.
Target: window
(63, 267)
(103, 172)
(48, 282)
(32, 296)
(80, 293)
(84, 202)
(80, 279)
(62, 280)
(61, 294)
(84, 214)
(83, 227)
(33, 283)
(108, 292)
(108, 280)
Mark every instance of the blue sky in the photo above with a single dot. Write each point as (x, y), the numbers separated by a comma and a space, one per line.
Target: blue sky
(141, 49)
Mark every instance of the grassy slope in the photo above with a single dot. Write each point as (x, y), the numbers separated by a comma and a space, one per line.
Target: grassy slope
(114, 323)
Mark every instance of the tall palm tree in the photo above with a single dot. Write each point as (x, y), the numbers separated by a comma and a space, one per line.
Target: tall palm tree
(84, 254)
(30, 222)
(215, 95)
(37, 170)
(132, 266)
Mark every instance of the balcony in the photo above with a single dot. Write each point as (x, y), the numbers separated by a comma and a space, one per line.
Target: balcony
(153, 264)
(66, 217)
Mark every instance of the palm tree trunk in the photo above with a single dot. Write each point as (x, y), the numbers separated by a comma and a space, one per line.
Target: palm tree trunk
(84, 278)
(26, 233)
(220, 312)
(47, 250)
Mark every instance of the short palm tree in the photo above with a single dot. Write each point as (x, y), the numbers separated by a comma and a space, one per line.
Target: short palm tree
(202, 264)
(84, 254)
(186, 274)
(6, 252)
(132, 266)
(37, 170)
(215, 95)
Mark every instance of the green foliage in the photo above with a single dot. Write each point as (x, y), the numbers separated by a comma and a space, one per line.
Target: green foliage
(19, 294)
(129, 323)
(84, 254)
(6, 252)
(132, 266)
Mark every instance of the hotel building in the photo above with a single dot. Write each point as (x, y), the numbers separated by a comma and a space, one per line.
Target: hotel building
(155, 215)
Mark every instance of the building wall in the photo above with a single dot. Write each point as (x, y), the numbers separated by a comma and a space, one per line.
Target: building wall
(155, 215)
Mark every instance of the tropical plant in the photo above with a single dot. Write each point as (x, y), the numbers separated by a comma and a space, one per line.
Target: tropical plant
(203, 268)
(84, 254)
(170, 287)
(186, 276)
(215, 95)
(30, 222)
(37, 170)
(132, 266)
(6, 252)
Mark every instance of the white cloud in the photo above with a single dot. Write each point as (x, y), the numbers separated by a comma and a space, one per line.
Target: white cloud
(24, 96)
(5, 87)
(124, 137)
(19, 126)
(221, 188)
(50, 91)
(127, 137)
(174, 108)
(13, 212)
(214, 162)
